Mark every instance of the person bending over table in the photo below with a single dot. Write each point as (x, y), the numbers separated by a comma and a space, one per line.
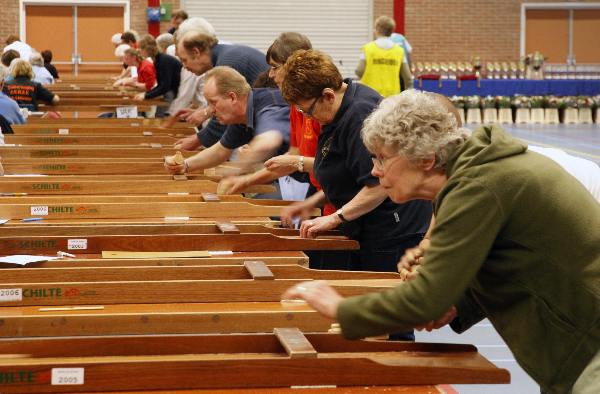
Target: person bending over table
(256, 117)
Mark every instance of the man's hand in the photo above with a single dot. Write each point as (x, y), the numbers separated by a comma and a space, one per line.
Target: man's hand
(198, 116)
(139, 97)
(318, 294)
(183, 113)
(175, 165)
(188, 143)
(441, 322)
(233, 184)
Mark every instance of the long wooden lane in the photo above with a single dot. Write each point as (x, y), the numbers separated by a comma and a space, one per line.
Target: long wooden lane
(42, 185)
(96, 244)
(164, 318)
(270, 360)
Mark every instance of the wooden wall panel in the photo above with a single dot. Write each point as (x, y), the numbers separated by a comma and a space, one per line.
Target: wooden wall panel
(51, 27)
(547, 31)
(586, 30)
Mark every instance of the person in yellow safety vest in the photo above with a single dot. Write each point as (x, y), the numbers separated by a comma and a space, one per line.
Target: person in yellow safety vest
(383, 63)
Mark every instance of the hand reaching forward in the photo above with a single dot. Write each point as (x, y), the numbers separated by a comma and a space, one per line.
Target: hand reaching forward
(318, 294)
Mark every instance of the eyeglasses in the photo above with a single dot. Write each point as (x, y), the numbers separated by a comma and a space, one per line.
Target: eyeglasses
(379, 163)
(311, 109)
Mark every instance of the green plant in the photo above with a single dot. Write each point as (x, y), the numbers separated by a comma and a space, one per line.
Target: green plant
(473, 102)
(520, 102)
(537, 101)
(503, 101)
(488, 102)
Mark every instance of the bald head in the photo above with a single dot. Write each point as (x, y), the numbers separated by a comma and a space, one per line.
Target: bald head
(446, 103)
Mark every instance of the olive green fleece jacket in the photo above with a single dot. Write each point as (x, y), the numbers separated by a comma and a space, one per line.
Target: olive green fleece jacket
(517, 240)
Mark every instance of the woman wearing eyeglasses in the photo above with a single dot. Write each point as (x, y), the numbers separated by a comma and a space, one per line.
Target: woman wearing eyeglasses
(342, 165)
(304, 132)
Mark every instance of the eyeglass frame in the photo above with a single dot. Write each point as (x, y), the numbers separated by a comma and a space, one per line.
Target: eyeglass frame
(311, 109)
(379, 164)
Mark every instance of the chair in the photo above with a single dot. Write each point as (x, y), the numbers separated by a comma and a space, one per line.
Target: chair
(505, 115)
(523, 115)
(474, 115)
(585, 116)
(490, 115)
(537, 115)
(551, 116)
(571, 116)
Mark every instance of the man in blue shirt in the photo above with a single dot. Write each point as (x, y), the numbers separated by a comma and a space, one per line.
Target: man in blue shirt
(9, 107)
(256, 119)
(201, 52)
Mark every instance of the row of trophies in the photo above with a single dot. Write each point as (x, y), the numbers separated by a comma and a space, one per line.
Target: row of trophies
(452, 70)
(531, 66)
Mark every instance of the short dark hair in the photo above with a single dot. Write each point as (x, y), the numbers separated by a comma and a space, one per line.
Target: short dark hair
(179, 14)
(9, 56)
(286, 44)
(47, 55)
(128, 37)
(264, 81)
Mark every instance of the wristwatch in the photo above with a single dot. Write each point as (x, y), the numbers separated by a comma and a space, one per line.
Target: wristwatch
(340, 214)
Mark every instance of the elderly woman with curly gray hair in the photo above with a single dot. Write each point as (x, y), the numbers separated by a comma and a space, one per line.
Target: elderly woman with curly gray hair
(516, 240)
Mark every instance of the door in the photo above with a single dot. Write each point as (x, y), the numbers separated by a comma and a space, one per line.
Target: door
(78, 35)
(52, 28)
(547, 31)
(95, 27)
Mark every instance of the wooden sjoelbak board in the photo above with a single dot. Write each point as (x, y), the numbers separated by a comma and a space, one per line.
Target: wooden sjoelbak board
(233, 258)
(166, 141)
(259, 360)
(179, 318)
(169, 291)
(207, 272)
(151, 229)
(40, 186)
(94, 244)
(130, 210)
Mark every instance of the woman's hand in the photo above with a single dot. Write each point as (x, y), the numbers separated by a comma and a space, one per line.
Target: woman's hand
(311, 228)
(409, 264)
(292, 211)
(318, 294)
(282, 163)
(441, 322)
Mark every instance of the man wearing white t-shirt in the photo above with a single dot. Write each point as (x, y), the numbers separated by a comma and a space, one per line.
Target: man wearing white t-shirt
(12, 42)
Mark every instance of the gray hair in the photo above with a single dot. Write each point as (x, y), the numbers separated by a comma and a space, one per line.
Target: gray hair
(416, 125)
(195, 24)
(164, 40)
(36, 59)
